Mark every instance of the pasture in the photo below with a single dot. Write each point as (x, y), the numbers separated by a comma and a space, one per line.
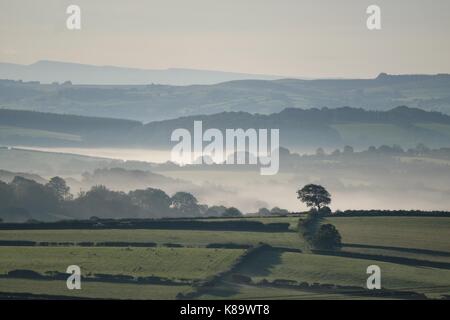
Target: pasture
(412, 252)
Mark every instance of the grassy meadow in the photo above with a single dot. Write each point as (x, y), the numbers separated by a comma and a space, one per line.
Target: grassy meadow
(412, 252)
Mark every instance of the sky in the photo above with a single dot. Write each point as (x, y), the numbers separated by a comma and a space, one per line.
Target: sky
(296, 38)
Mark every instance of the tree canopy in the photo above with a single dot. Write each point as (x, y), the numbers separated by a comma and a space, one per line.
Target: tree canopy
(314, 195)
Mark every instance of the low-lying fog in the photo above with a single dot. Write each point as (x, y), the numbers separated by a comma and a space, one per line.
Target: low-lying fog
(147, 155)
(355, 182)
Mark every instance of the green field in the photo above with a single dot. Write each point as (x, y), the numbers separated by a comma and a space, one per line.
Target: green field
(423, 233)
(93, 289)
(170, 263)
(249, 292)
(412, 252)
(430, 233)
(194, 238)
(313, 268)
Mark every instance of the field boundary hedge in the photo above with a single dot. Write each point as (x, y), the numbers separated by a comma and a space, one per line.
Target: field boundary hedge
(97, 277)
(340, 289)
(390, 213)
(383, 258)
(163, 224)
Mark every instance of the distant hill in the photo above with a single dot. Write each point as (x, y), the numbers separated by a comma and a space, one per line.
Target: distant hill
(160, 102)
(299, 128)
(8, 176)
(312, 128)
(50, 71)
(19, 127)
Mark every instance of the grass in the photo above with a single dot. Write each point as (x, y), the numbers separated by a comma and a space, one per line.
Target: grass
(185, 237)
(93, 289)
(173, 263)
(311, 268)
(250, 292)
(430, 233)
(424, 238)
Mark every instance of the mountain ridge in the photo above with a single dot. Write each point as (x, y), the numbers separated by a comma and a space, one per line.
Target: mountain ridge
(49, 71)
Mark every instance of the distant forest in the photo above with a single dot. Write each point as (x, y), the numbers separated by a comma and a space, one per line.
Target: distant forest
(27, 200)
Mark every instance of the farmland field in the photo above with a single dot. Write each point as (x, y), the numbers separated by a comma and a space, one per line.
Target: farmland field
(315, 268)
(412, 252)
(171, 263)
(93, 289)
(197, 238)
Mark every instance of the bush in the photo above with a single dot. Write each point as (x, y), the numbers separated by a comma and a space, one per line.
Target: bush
(327, 238)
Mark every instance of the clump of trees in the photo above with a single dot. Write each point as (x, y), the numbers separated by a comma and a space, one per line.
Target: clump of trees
(22, 196)
(315, 234)
(26, 200)
(275, 211)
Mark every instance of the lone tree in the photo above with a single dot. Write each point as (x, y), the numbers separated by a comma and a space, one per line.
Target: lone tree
(314, 195)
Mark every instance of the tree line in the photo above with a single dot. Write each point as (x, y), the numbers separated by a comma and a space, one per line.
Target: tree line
(25, 199)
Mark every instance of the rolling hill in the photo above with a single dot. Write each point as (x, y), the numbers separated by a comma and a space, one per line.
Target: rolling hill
(159, 102)
(299, 128)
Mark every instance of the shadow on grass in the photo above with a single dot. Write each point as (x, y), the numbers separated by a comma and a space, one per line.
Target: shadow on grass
(222, 290)
(261, 263)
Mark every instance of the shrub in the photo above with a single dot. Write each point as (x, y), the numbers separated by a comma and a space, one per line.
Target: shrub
(327, 238)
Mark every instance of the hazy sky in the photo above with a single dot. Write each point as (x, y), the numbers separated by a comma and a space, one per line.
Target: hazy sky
(310, 38)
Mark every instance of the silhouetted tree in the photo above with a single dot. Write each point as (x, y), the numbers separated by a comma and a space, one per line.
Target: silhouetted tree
(215, 211)
(348, 150)
(34, 197)
(314, 195)
(6, 195)
(154, 201)
(232, 212)
(263, 212)
(185, 204)
(103, 203)
(278, 211)
(60, 188)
